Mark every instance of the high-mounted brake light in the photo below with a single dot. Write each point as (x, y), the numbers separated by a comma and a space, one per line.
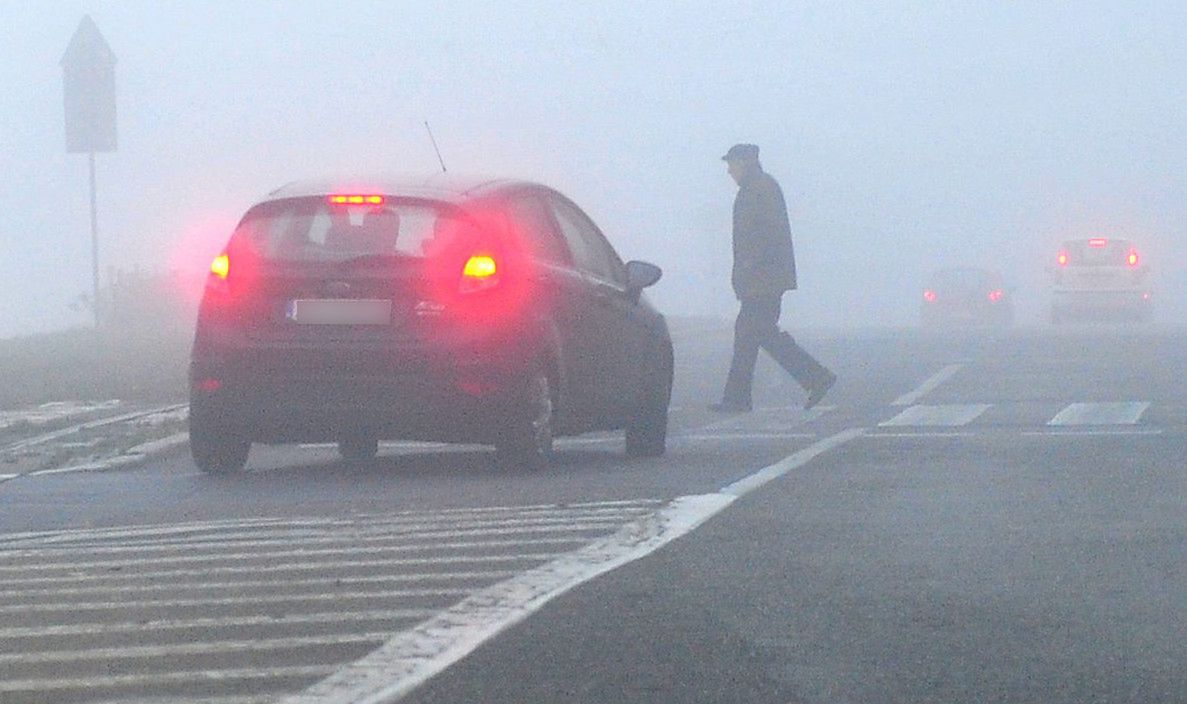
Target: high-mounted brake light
(1132, 258)
(353, 199)
(221, 266)
(1062, 259)
(1098, 242)
(929, 295)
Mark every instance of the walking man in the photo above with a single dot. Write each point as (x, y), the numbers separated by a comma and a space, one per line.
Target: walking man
(764, 267)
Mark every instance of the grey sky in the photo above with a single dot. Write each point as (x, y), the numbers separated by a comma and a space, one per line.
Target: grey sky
(906, 135)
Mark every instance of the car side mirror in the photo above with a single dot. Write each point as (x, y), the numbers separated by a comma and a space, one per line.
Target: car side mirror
(640, 275)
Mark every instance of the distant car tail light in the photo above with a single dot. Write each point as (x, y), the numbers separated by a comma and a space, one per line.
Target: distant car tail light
(356, 199)
(929, 295)
(996, 295)
(1062, 259)
(479, 273)
(1098, 242)
(1132, 258)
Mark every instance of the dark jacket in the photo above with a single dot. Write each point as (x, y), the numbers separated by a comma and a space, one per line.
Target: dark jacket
(764, 262)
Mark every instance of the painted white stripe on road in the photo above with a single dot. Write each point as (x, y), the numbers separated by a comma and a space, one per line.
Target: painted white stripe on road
(412, 657)
(352, 540)
(58, 684)
(124, 589)
(948, 415)
(255, 646)
(1121, 413)
(931, 384)
(76, 607)
(146, 627)
(1092, 432)
(46, 566)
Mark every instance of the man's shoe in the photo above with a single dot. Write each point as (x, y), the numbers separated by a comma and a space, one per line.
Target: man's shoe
(819, 389)
(729, 407)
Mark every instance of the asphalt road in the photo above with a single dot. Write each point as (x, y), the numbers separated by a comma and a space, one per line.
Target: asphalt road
(974, 518)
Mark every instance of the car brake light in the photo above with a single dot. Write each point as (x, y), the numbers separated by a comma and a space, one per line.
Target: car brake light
(479, 273)
(221, 266)
(1062, 259)
(995, 295)
(1098, 242)
(355, 199)
(929, 295)
(1132, 258)
(209, 385)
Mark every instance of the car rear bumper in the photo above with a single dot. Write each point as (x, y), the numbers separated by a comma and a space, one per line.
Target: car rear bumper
(277, 393)
(1100, 302)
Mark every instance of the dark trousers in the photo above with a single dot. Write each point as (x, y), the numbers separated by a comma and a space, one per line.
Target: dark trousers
(758, 326)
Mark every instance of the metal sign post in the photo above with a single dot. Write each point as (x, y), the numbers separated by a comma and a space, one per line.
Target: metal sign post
(88, 82)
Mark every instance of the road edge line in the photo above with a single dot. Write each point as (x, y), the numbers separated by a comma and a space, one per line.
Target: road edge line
(413, 657)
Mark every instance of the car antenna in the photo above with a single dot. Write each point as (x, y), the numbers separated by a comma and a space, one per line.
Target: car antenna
(435, 148)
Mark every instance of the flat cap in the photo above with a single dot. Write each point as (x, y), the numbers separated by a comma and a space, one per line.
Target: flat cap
(741, 152)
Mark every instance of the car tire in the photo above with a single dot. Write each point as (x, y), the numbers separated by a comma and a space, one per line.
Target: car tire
(217, 449)
(525, 441)
(647, 429)
(358, 447)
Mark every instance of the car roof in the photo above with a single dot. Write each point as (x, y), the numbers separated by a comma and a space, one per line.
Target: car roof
(444, 187)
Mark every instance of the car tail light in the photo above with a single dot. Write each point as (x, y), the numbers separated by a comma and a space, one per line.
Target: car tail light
(208, 385)
(929, 295)
(479, 273)
(356, 199)
(221, 266)
(1062, 259)
(995, 295)
(1098, 242)
(1132, 258)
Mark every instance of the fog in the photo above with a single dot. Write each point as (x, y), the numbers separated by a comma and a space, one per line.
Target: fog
(907, 136)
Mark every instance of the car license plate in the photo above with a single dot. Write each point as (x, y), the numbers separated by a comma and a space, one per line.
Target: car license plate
(339, 311)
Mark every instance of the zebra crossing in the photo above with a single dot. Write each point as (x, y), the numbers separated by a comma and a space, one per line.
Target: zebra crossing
(1085, 415)
(245, 611)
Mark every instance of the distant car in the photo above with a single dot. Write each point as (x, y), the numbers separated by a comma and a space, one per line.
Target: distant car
(966, 296)
(442, 309)
(1102, 279)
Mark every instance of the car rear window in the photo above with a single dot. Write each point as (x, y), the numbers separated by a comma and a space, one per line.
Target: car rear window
(1103, 252)
(313, 230)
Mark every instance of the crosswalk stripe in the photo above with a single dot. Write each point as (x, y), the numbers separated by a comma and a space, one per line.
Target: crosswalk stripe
(931, 384)
(947, 415)
(181, 649)
(1116, 413)
(196, 677)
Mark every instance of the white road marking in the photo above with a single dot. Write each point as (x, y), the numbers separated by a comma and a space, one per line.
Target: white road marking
(332, 617)
(57, 684)
(922, 434)
(412, 657)
(776, 417)
(948, 415)
(236, 585)
(929, 385)
(353, 539)
(1121, 413)
(1092, 432)
(48, 537)
(303, 566)
(75, 607)
(46, 566)
(748, 484)
(182, 649)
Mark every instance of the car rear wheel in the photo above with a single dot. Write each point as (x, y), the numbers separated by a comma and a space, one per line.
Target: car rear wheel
(525, 442)
(358, 447)
(217, 449)
(647, 429)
